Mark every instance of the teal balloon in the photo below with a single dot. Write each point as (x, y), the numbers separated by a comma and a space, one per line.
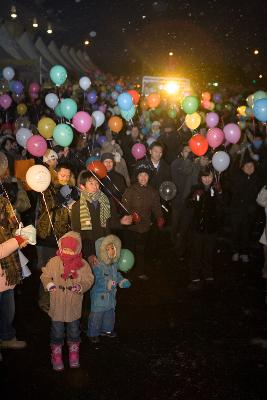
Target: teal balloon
(128, 115)
(63, 135)
(260, 94)
(68, 108)
(126, 260)
(190, 104)
(58, 75)
(58, 111)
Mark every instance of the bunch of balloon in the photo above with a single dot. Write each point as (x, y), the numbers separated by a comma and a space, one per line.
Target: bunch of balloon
(115, 124)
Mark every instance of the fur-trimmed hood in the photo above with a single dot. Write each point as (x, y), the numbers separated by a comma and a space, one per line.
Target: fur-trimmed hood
(101, 244)
(74, 235)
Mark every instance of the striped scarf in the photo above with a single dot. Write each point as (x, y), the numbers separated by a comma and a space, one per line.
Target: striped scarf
(85, 217)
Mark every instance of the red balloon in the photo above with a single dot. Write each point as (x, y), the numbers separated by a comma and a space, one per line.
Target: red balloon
(198, 144)
(135, 96)
(98, 168)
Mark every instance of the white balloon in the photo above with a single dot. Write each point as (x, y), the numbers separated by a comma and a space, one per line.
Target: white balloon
(85, 83)
(51, 100)
(38, 178)
(98, 118)
(220, 161)
(92, 34)
(8, 73)
(22, 135)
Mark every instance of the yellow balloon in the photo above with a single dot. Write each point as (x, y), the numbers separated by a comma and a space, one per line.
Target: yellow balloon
(21, 109)
(46, 126)
(193, 121)
(242, 111)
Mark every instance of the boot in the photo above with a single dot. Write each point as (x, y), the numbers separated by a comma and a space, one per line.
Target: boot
(74, 348)
(56, 357)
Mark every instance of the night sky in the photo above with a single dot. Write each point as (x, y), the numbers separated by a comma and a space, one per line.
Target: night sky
(211, 39)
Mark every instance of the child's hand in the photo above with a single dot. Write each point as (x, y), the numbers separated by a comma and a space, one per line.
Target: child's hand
(93, 261)
(76, 288)
(111, 284)
(125, 284)
(51, 287)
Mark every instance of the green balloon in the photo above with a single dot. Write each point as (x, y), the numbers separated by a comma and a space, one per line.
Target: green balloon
(126, 260)
(158, 111)
(63, 135)
(260, 94)
(58, 75)
(58, 111)
(190, 104)
(172, 113)
(68, 108)
(218, 107)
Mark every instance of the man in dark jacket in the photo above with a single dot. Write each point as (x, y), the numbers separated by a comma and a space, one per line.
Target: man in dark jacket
(170, 141)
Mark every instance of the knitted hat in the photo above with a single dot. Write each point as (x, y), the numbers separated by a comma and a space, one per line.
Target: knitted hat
(69, 242)
(50, 155)
(143, 167)
(107, 156)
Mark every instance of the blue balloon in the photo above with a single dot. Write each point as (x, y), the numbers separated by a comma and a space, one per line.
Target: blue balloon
(114, 95)
(91, 97)
(102, 139)
(17, 87)
(118, 88)
(260, 110)
(144, 131)
(125, 101)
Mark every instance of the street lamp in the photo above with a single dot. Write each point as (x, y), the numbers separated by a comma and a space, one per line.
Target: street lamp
(256, 52)
(49, 29)
(86, 42)
(170, 53)
(13, 12)
(35, 23)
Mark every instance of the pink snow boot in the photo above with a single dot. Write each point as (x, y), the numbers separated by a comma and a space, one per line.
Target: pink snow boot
(56, 357)
(74, 354)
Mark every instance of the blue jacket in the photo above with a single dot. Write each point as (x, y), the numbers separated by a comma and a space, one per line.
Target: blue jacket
(107, 277)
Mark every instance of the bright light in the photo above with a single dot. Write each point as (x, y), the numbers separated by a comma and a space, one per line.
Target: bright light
(172, 87)
(13, 12)
(256, 52)
(49, 29)
(171, 53)
(260, 76)
(86, 42)
(215, 84)
(35, 23)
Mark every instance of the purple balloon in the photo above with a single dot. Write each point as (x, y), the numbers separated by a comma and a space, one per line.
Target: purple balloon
(212, 119)
(215, 137)
(91, 97)
(138, 151)
(217, 98)
(102, 139)
(17, 87)
(102, 108)
(5, 101)
(232, 133)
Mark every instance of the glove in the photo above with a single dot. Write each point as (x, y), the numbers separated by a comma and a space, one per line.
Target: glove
(218, 187)
(76, 288)
(93, 261)
(136, 218)
(111, 284)
(160, 222)
(125, 284)
(197, 194)
(51, 287)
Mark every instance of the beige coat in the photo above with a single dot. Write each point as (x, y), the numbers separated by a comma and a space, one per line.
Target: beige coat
(6, 249)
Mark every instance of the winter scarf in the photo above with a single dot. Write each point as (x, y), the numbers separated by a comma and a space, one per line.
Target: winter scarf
(85, 217)
(71, 263)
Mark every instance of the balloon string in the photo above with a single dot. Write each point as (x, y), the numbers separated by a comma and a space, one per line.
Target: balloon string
(83, 100)
(181, 126)
(111, 194)
(50, 220)
(9, 202)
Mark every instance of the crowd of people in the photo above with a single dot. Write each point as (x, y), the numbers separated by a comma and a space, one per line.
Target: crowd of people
(83, 220)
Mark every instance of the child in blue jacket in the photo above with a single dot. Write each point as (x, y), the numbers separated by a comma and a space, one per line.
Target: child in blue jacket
(103, 293)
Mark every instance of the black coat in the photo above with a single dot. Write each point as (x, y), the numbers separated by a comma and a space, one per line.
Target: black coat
(160, 174)
(244, 190)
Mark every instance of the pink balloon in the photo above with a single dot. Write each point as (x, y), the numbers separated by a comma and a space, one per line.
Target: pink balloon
(212, 119)
(138, 151)
(215, 137)
(232, 133)
(5, 101)
(82, 121)
(205, 104)
(34, 87)
(36, 145)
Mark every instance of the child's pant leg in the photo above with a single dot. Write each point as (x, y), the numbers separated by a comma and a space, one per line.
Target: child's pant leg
(95, 323)
(57, 332)
(108, 321)
(73, 331)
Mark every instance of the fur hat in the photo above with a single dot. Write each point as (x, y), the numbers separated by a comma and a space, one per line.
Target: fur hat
(107, 156)
(50, 155)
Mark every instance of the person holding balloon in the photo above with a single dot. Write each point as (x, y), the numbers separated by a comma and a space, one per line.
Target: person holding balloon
(101, 320)
(205, 200)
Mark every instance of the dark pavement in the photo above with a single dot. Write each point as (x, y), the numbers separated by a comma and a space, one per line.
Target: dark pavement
(171, 345)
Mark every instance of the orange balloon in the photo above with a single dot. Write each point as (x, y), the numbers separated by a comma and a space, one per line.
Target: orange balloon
(115, 124)
(153, 100)
(198, 144)
(206, 96)
(98, 168)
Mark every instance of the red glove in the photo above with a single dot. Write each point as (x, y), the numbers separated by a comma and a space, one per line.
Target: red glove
(19, 239)
(218, 187)
(197, 193)
(160, 222)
